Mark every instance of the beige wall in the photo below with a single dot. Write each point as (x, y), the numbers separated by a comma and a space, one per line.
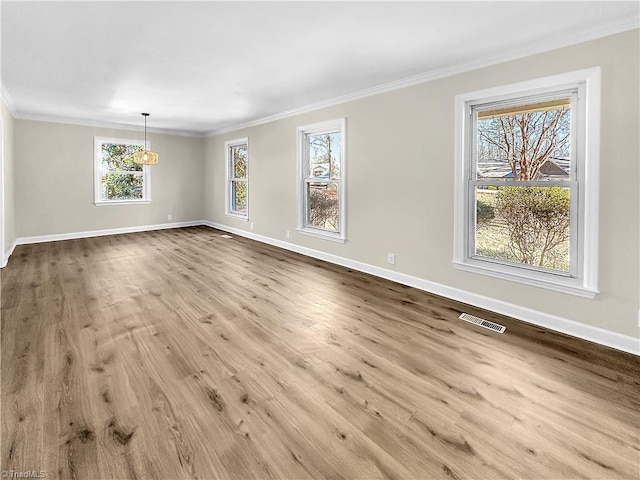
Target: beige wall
(400, 154)
(8, 186)
(54, 180)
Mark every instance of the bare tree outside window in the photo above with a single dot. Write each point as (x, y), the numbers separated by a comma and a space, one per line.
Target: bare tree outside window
(517, 221)
(321, 176)
(239, 162)
(322, 189)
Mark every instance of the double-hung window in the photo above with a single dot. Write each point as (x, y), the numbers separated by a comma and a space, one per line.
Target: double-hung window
(237, 155)
(526, 182)
(321, 180)
(118, 180)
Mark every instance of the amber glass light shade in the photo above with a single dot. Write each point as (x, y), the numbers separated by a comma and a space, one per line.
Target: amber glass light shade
(145, 158)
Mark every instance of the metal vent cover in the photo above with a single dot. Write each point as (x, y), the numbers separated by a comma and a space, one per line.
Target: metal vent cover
(481, 322)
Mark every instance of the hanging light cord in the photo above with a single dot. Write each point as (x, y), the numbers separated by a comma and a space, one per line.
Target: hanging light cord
(145, 115)
(145, 157)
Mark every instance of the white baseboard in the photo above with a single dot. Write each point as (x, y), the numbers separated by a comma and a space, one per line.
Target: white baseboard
(8, 253)
(100, 233)
(607, 338)
(586, 332)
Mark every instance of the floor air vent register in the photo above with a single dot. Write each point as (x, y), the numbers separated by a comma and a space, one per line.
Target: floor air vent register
(481, 322)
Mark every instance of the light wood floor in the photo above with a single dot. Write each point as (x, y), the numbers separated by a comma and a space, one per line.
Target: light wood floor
(181, 354)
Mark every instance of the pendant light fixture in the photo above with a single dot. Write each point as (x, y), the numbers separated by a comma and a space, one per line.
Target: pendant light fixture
(145, 157)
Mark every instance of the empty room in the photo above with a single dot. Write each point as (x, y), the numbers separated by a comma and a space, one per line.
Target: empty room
(313, 240)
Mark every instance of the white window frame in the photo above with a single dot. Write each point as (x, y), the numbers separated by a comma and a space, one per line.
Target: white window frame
(98, 172)
(330, 126)
(230, 178)
(582, 279)
(2, 212)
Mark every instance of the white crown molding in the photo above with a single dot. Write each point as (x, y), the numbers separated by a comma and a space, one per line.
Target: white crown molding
(598, 335)
(619, 26)
(7, 100)
(94, 123)
(611, 28)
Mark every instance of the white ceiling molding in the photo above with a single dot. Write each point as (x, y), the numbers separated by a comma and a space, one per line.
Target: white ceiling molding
(199, 76)
(116, 126)
(7, 100)
(619, 26)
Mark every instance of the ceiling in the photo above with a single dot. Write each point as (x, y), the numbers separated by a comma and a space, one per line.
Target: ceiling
(203, 67)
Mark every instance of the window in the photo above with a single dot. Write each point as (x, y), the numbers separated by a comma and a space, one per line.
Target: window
(118, 180)
(321, 173)
(238, 178)
(526, 182)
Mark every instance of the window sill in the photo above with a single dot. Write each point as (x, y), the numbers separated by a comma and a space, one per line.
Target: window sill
(122, 202)
(238, 216)
(557, 283)
(332, 237)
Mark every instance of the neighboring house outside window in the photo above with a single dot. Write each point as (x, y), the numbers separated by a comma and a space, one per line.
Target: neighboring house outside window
(527, 182)
(321, 180)
(118, 180)
(237, 191)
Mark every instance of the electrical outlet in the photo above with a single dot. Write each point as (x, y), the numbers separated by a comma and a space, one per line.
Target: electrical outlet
(287, 234)
(169, 217)
(391, 258)
(251, 226)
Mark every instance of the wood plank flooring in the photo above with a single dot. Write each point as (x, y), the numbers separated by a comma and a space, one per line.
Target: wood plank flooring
(180, 354)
